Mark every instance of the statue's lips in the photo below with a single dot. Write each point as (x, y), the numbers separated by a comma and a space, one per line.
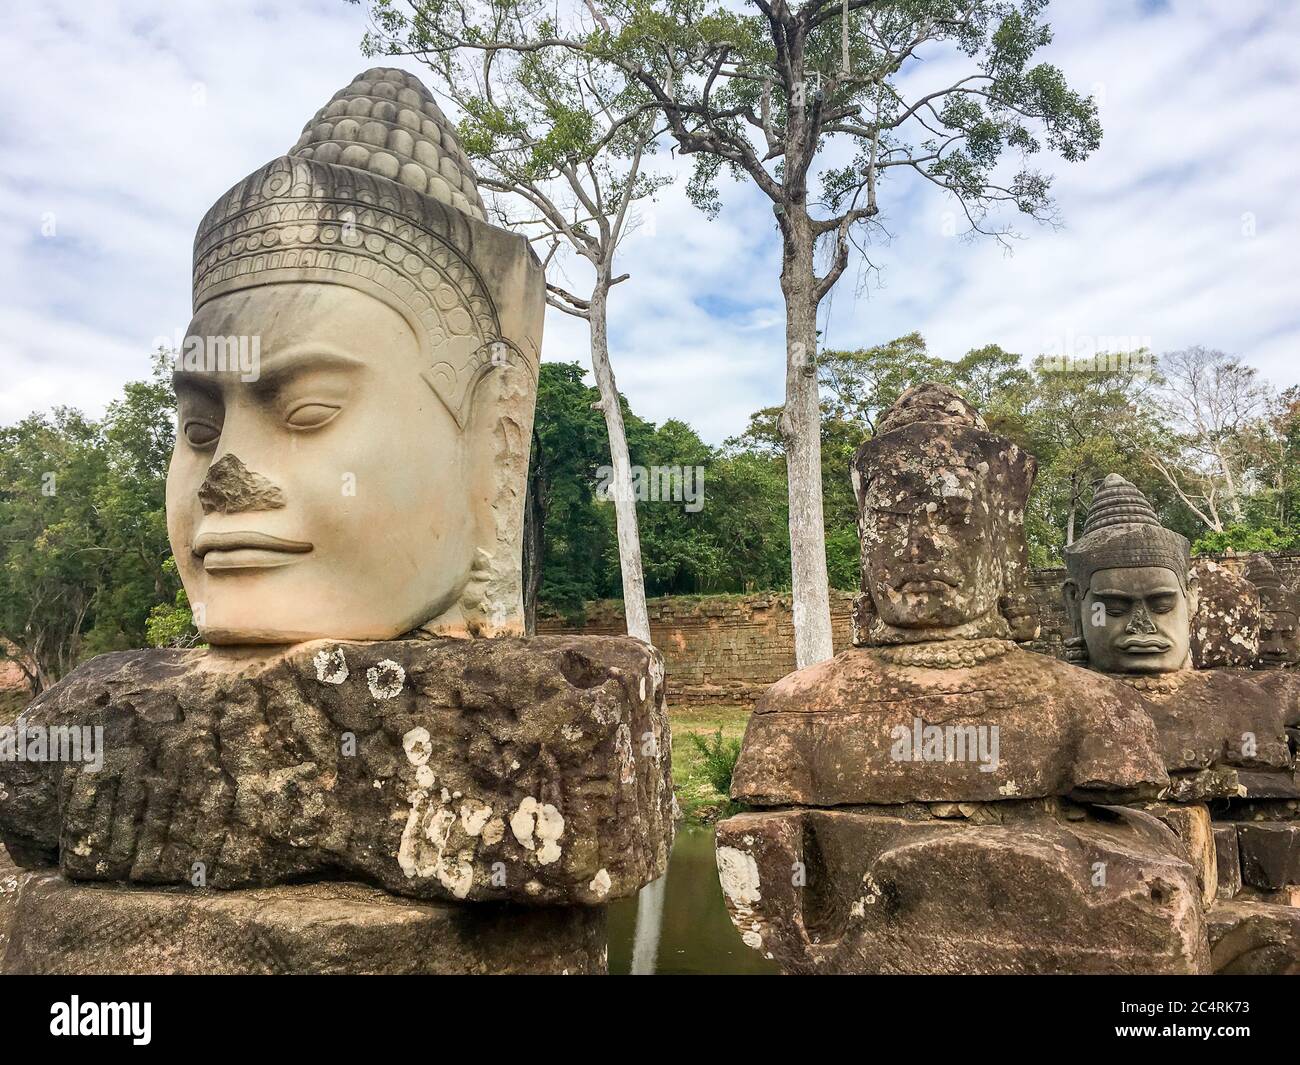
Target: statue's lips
(1144, 647)
(924, 582)
(246, 550)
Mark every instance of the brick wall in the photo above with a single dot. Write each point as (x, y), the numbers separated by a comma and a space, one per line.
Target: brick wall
(729, 648)
(721, 649)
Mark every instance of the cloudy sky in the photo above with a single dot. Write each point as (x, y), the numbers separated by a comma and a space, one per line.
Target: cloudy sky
(123, 121)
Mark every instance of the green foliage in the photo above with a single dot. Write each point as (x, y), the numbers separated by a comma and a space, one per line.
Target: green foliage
(83, 530)
(1242, 540)
(172, 624)
(718, 756)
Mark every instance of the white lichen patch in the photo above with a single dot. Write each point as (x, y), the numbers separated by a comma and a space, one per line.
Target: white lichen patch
(418, 745)
(425, 849)
(738, 873)
(474, 816)
(425, 777)
(1009, 788)
(538, 828)
(623, 751)
(331, 666)
(600, 883)
(752, 939)
(572, 733)
(385, 679)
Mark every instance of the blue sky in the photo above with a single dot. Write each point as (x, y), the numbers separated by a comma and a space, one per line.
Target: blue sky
(123, 121)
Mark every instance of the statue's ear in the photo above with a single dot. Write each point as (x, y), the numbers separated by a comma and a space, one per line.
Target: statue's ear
(1193, 594)
(1072, 595)
(1076, 646)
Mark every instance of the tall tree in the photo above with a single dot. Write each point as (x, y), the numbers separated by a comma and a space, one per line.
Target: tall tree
(1216, 405)
(560, 142)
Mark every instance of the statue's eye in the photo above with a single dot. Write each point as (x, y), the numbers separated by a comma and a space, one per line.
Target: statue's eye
(1162, 604)
(310, 415)
(1116, 607)
(201, 434)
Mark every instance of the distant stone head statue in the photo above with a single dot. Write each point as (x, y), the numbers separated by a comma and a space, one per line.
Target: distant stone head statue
(941, 521)
(1130, 590)
(1279, 639)
(358, 469)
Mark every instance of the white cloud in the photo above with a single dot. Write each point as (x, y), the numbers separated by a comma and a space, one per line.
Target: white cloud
(125, 121)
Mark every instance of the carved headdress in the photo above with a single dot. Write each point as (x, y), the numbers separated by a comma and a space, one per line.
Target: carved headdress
(376, 195)
(1122, 532)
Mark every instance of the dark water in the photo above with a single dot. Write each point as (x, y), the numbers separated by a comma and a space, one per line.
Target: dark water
(696, 935)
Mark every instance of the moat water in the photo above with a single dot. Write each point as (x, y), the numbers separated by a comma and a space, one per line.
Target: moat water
(694, 933)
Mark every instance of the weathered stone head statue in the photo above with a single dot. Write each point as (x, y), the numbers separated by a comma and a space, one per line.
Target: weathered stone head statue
(1279, 640)
(1130, 590)
(1226, 625)
(941, 519)
(363, 474)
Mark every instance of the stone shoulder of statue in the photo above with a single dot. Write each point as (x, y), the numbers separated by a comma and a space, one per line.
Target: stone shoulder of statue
(941, 503)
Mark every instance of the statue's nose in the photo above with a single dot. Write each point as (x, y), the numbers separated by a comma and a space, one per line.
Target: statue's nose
(1141, 623)
(232, 488)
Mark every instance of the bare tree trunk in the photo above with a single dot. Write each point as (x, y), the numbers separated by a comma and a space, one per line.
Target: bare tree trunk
(801, 428)
(534, 534)
(1074, 507)
(629, 538)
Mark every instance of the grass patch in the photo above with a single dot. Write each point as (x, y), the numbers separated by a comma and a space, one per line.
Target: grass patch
(697, 795)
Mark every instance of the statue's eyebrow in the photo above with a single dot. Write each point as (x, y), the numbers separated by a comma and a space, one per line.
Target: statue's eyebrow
(1110, 593)
(286, 363)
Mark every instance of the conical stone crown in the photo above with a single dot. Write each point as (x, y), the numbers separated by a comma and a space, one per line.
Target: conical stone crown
(387, 123)
(1119, 502)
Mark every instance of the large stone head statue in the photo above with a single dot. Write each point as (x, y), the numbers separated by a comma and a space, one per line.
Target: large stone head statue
(1279, 639)
(941, 520)
(1130, 590)
(359, 471)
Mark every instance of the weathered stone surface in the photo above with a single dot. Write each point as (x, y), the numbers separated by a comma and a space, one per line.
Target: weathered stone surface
(1265, 810)
(61, 926)
(1270, 854)
(1254, 938)
(9, 874)
(1211, 718)
(1225, 626)
(829, 734)
(1283, 685)
(1191, 824)
(886, 894)
(1227, 859)
(534, 771)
